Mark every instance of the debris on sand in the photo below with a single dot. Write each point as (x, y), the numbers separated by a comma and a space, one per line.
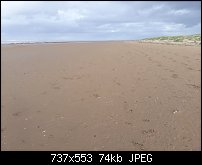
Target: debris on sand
(175, 111)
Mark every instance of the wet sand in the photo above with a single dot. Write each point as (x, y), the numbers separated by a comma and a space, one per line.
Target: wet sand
(100, 96)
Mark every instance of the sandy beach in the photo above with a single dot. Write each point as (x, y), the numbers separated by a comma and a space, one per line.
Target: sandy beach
(100, 96)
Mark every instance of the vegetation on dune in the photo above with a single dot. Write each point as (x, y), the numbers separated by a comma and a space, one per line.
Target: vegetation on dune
(182, 38)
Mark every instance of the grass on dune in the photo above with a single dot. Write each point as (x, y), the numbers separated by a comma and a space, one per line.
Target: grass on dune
(181, 38)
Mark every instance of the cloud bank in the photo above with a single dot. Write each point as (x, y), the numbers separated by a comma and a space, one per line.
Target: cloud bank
(104, 20)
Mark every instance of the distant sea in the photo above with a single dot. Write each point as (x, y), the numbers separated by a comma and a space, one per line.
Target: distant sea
(81, 41)
(15, 42)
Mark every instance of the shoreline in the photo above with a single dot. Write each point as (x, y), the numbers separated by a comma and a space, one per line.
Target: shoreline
(118, 41)
(58, 42)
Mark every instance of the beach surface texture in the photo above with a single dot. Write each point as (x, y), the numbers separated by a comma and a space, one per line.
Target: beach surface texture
(101, 96)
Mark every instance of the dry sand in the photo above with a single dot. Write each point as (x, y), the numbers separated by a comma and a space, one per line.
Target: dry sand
(100, 96)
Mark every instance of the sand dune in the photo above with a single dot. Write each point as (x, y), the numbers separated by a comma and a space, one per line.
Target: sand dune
(100, 96)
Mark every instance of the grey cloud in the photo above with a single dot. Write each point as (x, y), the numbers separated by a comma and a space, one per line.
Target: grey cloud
(99, 20)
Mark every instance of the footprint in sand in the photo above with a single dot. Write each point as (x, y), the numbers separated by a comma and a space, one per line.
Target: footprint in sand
(138, 145)
(82, 99)
(3, 129)
(125, 105)
(189, 68)
(23, 141)
(16, 114)
(184, 64)
(128, 123)
(166, 69)
(56, 87)
(159, 65)
(194, 86)
(96, 96)
(149, 132)
(117, 83)
(59, 117)
(163, 78)
(25, 73)
(67, 78)
(146, 120)
(186, 139)
(174, 76)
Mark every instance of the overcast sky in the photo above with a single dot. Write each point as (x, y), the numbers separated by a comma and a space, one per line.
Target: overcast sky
(104, 20)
